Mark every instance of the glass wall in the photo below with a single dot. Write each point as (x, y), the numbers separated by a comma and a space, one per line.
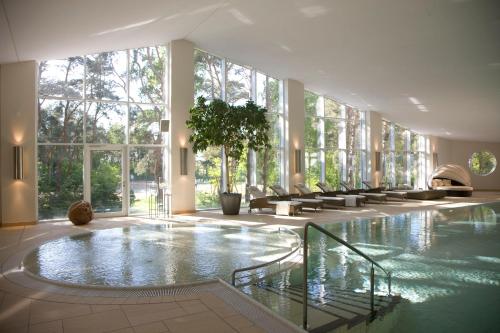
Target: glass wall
(335, 142)
(112, 98)
(405, 156)
(217, 77)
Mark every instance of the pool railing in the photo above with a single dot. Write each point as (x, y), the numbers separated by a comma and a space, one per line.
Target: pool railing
(269, 263)
(343, 242)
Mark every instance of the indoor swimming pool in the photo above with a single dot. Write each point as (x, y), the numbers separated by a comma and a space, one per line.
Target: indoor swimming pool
(444, 263)
(156, 255)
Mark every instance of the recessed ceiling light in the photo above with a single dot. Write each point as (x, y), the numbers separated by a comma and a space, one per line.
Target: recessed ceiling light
(414, 100)
(422, 108)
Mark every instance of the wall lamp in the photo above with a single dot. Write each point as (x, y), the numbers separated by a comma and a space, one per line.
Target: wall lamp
(377, 161)
(18, 162)
(184, 156)
(298, 161)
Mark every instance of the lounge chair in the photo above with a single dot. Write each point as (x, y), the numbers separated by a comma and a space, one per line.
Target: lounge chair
(377, 197)
(330, 201)
(351, 200)
(424, 194)
(390, 194)
(306, 202)
(452, 178)
(259, 200)
(370, 188)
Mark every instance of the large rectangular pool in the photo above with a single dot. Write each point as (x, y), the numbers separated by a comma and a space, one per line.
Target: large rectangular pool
(445, 264)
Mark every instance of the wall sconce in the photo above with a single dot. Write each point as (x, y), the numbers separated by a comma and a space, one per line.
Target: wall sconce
(435, 160)
(18, 162)
(164, 125)
(377, 161)
(184, 156)
(298, 161)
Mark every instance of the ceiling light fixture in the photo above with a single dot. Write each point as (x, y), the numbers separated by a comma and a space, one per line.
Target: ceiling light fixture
(414, 100)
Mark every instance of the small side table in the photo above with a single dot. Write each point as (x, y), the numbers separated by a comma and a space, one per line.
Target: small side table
(287, 208)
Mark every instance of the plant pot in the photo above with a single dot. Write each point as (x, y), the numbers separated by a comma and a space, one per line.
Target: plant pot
(230, 203)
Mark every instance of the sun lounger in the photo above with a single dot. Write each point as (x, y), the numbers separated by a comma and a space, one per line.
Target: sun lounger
(330, 201)
(259, 200)
(306, 202)
(402, 195)
(424, 194)
(377, 197)
(351, 200)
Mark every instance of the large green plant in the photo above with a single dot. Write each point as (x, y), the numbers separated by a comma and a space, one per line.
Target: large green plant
(218, 124)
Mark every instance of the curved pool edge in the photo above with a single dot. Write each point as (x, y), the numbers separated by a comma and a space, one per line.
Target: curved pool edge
(18, 259)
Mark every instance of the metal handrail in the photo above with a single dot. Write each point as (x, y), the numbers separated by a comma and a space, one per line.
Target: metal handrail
(343, 242)
(249, 268)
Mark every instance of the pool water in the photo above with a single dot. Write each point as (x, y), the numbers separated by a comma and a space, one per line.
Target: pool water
(445, 263)
(155, 255)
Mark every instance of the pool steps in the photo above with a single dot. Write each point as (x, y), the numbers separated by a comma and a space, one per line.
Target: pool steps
(336, 310)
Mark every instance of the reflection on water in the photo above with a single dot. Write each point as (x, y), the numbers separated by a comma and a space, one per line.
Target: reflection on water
(446, 263)
(155, 255)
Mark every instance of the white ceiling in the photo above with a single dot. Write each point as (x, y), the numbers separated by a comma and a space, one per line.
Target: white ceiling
(371, 54)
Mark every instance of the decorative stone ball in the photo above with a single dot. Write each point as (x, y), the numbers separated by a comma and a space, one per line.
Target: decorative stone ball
(80, 213)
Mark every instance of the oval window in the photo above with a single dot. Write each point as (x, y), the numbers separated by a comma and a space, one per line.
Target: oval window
(482, 163)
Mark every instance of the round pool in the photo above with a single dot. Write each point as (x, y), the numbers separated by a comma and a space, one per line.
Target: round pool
(155, 255)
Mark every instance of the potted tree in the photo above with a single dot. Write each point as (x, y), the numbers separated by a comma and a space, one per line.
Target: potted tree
(218, 124)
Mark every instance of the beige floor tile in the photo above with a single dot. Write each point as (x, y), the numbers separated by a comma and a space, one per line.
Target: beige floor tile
(96, 322)
(48, 327)
(238, 321)
(104, 307)
(48, 311)
(193, 306)
(166, 299)
(211, 301)
(157, 327)
(14, 311)
(186, 297)
(148, 313)
(123, 330)
(224, 311)
(199, 322)
(251, 329)
(17, 328)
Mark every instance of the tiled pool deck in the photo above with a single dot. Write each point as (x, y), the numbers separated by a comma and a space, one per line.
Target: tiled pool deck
(29, 305)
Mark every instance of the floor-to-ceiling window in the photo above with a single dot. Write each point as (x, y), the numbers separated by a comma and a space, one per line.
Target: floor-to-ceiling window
(101, 111)
(405, 156)
(217, 77)
(335, 142)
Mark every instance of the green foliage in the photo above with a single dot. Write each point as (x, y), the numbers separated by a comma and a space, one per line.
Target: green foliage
(60, 179)
(234, 128)
(482, 163)
(106, 177)
(108, 77)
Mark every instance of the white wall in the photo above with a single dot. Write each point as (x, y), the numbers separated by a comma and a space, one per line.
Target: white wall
(459, 152)
(18, 103)
(295, 127)
(181, 100)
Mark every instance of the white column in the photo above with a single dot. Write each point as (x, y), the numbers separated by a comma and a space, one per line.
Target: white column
(374, 120)
(294, 131)
(181, 83)
(18, 96)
